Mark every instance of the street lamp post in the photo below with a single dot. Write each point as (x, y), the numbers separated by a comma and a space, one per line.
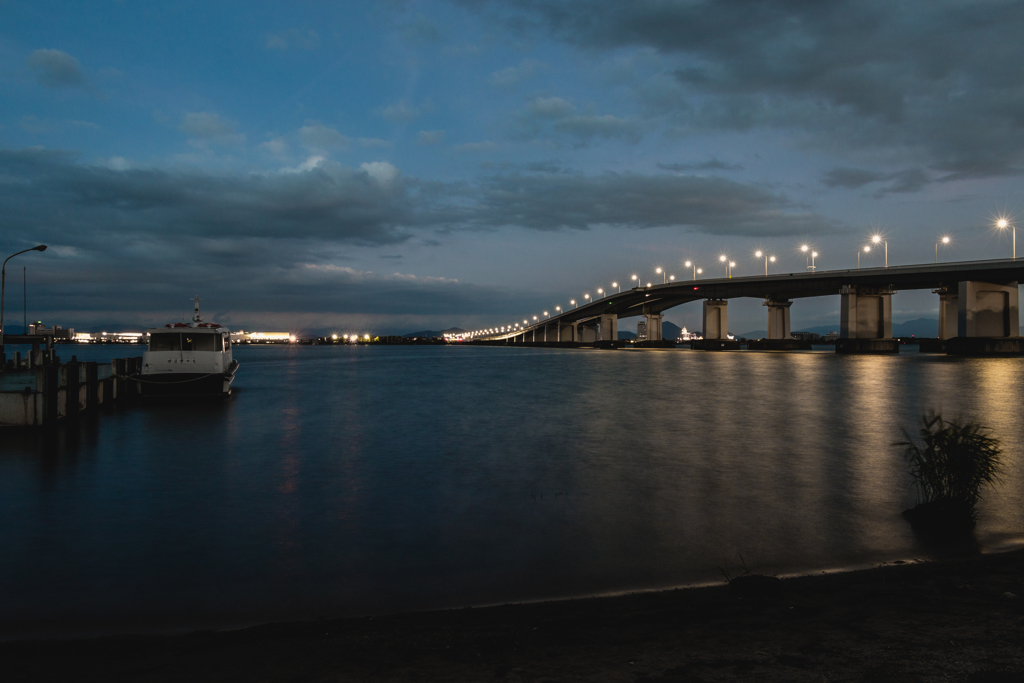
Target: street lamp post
(637, 278)
(691, 264)
(3, 292)
(1001, 224)
(700, 271)
(732, 264)
(878, 238)
(867, 250)
(724, 259)
(944, 240)
(767, 258)
(661, 272)
(601, 292)
(813, 255)
(573, 302)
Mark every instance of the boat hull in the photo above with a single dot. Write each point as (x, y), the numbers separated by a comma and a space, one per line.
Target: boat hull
(173, 384)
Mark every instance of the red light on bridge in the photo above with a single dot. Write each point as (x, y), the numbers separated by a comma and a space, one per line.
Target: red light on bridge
(696, 288)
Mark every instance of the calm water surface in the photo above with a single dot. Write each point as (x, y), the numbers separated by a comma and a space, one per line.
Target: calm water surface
(358, 480)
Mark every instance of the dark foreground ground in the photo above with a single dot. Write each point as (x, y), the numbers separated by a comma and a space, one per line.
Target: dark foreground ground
(950, 621)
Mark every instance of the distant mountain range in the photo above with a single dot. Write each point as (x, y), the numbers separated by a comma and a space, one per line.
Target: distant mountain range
(429, 334)
(920, 327)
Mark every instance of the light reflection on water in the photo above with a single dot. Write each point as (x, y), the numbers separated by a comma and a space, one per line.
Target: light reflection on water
(342, 481)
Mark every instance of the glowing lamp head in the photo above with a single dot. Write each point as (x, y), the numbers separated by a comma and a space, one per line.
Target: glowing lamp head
(658, 271)
(722, 258)
(876, 239)
(688, 264)
(945, 240)
(814, 253)
(772, 259)
(699, 271)
(636, 277)
(600, 291)
(867, 249)
(758, 254)
(572, 301)
(672, 278)
(804, 247)
(1002, 223)
(334, 336)
(732, 264)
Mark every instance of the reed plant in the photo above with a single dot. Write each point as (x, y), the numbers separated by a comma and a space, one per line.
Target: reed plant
(954, 461)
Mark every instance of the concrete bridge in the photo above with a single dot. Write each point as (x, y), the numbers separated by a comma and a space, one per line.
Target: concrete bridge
(978, 307)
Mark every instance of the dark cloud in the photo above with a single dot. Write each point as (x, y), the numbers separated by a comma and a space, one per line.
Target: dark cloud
(909, 180)
(557, 117)
(711, 205)
(131, 239)
(56, 69)
(711, 165)
(938, 80)
(326, 201)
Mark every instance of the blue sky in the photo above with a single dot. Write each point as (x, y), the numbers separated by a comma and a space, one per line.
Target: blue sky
(394, 166)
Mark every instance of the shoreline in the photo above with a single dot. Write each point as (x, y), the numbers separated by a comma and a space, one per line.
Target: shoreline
(949, 619)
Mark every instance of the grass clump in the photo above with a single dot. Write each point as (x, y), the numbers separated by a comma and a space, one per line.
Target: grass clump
(950, 467)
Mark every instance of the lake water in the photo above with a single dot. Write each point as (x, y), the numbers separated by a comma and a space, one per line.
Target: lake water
(343, 481)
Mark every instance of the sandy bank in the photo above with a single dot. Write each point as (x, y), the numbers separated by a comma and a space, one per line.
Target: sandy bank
(938, 621)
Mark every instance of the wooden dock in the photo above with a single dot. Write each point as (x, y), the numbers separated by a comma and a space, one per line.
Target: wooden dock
(40, 391)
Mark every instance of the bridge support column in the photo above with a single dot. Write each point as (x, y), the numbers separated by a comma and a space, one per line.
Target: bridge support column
(988, 320)
(609, 327)
(653, 326)
(778, 318)
(988, 310)
(865, 320)
(949, 307)
(716, 319)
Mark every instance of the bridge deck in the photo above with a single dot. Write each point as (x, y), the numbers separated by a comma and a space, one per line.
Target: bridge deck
(658, 298)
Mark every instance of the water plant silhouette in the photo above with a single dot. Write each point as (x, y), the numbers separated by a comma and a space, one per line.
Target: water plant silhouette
(950, 467)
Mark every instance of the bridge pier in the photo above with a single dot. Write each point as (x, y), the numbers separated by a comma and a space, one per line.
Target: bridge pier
(609, 327)
(949, 307)
(778, 318)
(865, 320)
(716, 327)
(988, 320)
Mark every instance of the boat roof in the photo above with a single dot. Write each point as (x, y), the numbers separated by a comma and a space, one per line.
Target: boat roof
(201, 328)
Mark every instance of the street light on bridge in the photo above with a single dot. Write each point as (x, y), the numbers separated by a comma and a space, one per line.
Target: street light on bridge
(637, 278)
(767, 258)
(1002, 224)
(661, 272)
(725, 259)
(732, 264)
(944, 240)
(558, 308)
(600, 291)
(573, 302)
(879, 239)
(867, 250)
(617, 288)
(690, 264)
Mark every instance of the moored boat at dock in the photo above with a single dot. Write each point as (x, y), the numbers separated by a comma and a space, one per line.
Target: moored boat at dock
(188, 359)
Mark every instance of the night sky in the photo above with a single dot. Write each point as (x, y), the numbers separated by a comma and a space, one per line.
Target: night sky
(396, 166)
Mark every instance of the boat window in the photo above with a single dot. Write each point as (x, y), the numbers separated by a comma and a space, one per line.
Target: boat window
(186, 342)
(218, 342)
(165, 341)
(204, 342)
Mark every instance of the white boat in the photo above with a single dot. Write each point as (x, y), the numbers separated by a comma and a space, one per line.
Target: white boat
(188, 359)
